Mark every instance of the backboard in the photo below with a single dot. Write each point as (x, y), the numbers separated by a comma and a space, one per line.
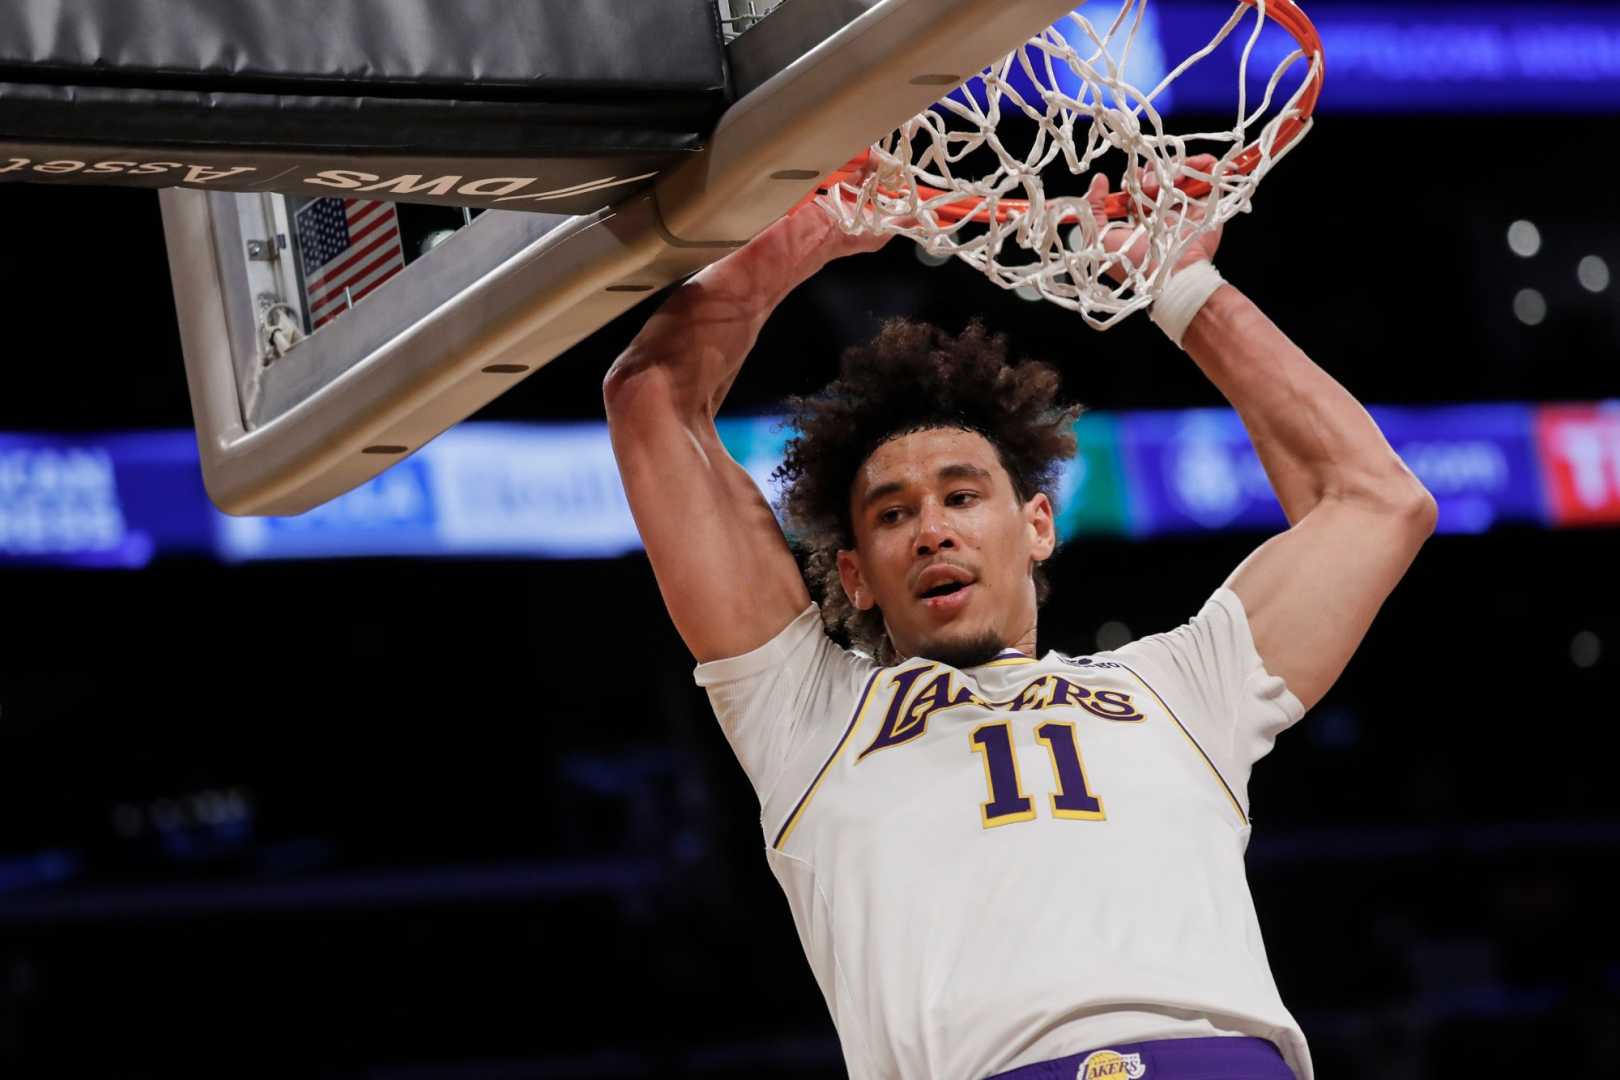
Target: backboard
(293, 408)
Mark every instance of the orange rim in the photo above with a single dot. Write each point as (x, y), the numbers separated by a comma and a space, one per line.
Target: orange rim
(1117, 205)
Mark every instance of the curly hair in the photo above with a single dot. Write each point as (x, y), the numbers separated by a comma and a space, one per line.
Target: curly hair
(911, 377)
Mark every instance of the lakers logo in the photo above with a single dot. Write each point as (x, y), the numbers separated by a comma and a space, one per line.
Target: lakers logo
(1111, 1065)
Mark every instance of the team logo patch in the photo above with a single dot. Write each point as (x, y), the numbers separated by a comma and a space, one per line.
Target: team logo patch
(1111, 1065)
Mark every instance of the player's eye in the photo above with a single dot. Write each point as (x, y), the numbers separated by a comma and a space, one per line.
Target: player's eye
(961, 498)
(891, 516)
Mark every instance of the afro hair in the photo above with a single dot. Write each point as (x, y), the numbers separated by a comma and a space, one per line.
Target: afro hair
(911, 377)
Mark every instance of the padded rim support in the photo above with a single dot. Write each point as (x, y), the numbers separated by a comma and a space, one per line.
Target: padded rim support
(562, 280)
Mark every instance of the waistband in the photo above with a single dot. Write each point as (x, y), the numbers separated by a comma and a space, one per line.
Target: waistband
(1219, 1057)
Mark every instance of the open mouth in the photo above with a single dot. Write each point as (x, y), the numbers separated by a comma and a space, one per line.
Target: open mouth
(943, 587)
(946, 598)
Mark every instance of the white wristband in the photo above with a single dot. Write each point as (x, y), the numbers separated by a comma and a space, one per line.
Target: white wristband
(1184, 296)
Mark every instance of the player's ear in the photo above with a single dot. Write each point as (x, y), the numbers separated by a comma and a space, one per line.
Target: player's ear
(849, 572)
(1042, 529)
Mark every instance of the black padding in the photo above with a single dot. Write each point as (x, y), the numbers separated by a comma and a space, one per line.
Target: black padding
(285, 90)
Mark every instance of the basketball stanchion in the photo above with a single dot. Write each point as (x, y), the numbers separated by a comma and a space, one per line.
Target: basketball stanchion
(512, 291)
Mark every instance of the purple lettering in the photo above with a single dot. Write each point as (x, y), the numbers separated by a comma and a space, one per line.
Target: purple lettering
(893, 730)
(1113, 705)
(1032, 696)
(1068, 693)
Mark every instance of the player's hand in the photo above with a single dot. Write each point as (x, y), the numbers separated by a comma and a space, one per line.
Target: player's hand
(785, 253)
(752, 280)
(836, 243)
(827, 241)
(1131, 251)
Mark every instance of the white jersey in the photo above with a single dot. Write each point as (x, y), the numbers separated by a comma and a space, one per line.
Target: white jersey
(1022, 860)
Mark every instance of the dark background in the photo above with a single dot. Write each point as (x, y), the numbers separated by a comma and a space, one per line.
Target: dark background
(404, 818)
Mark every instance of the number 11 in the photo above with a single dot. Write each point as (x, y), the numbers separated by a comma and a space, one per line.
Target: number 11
(1008, 803)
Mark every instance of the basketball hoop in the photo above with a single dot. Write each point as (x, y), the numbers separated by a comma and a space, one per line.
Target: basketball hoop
(994, 212)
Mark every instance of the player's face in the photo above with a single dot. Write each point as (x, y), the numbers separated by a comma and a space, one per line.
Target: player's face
(945, 548)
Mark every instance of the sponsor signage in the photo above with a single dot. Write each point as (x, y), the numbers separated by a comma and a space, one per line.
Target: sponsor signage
(1411, 58)
(567, 184)
(1580, 461)
(107, 501)
(496, 490)
(1194, 471)
(1478, 461)
(1092, 498)
(393, 513)
(553, 490)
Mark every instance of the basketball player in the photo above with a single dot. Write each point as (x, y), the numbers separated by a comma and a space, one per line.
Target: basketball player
(1001, 862)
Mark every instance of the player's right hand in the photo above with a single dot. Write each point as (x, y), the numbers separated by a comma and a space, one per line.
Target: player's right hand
(808, 238)
(835, 243)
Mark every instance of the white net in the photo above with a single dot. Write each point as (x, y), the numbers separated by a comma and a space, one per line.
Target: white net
(969, 177)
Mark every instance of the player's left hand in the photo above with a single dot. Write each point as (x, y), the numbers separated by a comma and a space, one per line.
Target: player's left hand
(1129, 251)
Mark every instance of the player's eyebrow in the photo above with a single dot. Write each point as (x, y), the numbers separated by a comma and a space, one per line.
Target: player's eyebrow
(955, 471)
(963, 472)
(882, 491)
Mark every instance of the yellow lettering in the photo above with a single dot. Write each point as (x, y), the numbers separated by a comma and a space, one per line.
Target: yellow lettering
(202, 174)
(342, 178)
(503, 185)
(413, 182)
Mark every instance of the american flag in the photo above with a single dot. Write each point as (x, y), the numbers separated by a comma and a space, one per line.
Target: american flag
(350, 246)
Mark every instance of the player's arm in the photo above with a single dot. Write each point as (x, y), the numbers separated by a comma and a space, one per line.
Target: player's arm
(722, 564)
(1357, 515)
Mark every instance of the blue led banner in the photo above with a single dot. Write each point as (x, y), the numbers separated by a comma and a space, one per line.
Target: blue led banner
(553, 491)
(101, 501)
(1478, 461)
(1483, 58)
(526, 490)
(1196, 470)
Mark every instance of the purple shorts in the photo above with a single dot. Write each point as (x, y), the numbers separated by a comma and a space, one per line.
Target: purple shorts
(1222, 1057)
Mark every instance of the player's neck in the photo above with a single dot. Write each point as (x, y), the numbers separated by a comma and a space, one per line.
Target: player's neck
(1025, 643)
(972, 654)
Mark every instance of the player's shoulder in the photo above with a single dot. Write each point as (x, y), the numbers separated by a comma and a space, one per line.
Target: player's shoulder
(1105, 661)
(802, 649)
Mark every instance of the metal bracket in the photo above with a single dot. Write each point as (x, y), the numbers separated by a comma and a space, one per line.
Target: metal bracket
(265, 251)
